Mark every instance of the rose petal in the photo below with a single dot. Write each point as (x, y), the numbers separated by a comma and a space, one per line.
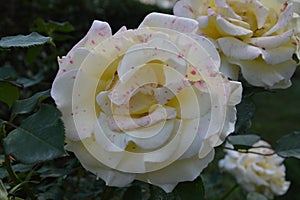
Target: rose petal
(90, 163)
(98, 32)
(181, 24)
(125, 123)
(230, 70)
(231, 29)
(284, 19)
(272, 41)
(186, 8)
(156, 49)
(260, 74)
(278, 55)
(168, 177)
(261, 12)
(237, 49)
(73, 60)
(151, 137)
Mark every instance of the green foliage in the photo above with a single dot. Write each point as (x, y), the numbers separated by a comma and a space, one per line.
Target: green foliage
(133, 193)
(289, 145)
(28, 105)
(23, 40)
(43, 132)
(8, 93)
(3, 192)
(243, 141)
(245, 112)
(191, 190)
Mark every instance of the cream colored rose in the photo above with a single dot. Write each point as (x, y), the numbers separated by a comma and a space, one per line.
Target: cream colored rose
(263, 174)
(148, 104)
(256, 37)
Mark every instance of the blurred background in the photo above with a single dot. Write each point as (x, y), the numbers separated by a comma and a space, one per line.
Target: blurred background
(67, 21)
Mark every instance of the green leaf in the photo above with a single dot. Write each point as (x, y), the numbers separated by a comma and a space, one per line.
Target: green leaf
(133, 193)
(7, 72)
(26, 82)
(243, 141)
(245, 111)
(289, 145)
(39, 138)
(3, 191)
(8, 93)
(158, 193)
(24, 40)
(255, 196)
(1, 123)
(28, 105)
(191, 190)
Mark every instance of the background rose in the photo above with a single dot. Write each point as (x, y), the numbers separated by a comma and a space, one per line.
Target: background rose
(256, 36)
(263, 174)
(146, 104)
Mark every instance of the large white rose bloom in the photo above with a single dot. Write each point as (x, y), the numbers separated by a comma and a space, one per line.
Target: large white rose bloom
(148, 104)
(254, 37)
(257, 173)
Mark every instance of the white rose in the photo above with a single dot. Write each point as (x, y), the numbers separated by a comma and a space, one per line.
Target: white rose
(263, 174)
(148, 104)
(256, 37)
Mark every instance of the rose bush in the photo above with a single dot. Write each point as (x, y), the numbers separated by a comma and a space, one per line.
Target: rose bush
(254, 172)
(148, 104)
(256, 37)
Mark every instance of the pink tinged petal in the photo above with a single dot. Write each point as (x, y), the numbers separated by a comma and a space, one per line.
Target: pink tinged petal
(232, 29)
(209, 47)
(156, 49)
(284, 19)
(260, 74)
(61, 92)
(121, 30)
(90, 163)
(83, 103)
(237, 49)
(124, 90)
(179, 171)
(184, 9)
(180, 24)
(261, 13)
(110, 140)
(278, 55)
(98, 32)
(272, 41)
(152, 137)
(73, 60)
(125, 123)
(170, 90)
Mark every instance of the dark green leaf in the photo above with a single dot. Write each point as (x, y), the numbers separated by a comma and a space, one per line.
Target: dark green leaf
(39, 138)
(245, 111)
(25, 82)
(243, 141)
(158, 193)
(133, 193)
(8, 93)
(63, 27)
(23, 40)
(7, 72)
(255, 196)
(289, 145)
(1, 123)
(3, 191)
(191, 190)
(46, 172)
(28, 105)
